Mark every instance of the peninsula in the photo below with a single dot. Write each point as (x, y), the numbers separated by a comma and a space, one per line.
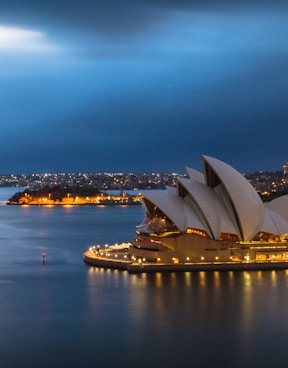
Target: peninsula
(65, 195)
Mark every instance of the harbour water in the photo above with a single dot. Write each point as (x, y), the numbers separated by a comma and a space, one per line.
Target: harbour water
(66, 314)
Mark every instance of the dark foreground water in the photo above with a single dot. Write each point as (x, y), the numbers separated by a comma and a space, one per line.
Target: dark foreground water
(67, 314)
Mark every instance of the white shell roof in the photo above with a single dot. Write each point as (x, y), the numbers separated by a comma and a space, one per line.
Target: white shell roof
(268, 224)
(274, 223)
(280, 206)
(246, 201)
(225, 202)
(177, 210)
(172, 206)
(212, 209)
(195, 175)
(194, 220)
(171, 190)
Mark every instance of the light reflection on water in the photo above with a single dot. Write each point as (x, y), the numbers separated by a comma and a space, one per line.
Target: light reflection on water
(232, 315)
(75, 315)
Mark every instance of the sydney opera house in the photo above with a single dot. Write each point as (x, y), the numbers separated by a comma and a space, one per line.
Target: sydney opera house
(214, 216)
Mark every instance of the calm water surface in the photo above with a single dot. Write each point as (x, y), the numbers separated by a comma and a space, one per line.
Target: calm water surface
(68, 314)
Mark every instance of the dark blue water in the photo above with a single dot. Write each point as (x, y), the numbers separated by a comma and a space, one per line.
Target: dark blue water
(68, 314)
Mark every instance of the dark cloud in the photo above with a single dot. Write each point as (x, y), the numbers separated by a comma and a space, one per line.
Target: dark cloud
(113, 18)
(213, 83)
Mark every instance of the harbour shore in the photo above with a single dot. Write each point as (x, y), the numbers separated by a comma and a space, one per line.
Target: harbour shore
(116, 260)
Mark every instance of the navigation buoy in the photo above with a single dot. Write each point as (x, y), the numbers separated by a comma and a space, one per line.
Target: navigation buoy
(43, 257)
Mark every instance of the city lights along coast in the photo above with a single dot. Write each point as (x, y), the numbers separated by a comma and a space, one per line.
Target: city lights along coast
(217, 219)
(67, 196)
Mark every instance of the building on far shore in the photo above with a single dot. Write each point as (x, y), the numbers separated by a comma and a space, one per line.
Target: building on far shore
(44, 197)
(285, 170)
(214, 216)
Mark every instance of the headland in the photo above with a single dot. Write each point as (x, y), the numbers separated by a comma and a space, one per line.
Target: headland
(59, 195)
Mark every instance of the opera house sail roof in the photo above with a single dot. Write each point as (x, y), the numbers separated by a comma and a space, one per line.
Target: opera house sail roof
(219, 205)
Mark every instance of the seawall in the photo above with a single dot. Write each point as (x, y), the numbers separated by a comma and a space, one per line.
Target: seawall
(133, 267)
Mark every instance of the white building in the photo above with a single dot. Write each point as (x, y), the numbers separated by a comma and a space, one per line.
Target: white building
(214, 216)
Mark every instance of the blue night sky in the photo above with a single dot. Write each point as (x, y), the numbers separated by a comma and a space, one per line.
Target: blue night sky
(142, 86)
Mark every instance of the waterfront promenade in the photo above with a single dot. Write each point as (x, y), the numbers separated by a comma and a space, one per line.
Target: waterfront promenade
(116, 257)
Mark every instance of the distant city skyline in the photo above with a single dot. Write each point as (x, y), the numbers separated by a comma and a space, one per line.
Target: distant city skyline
(142, 86)
(283, 168)
(267, 183)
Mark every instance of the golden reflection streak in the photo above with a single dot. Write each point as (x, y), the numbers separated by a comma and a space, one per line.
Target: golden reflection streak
(274, 278)
(173, 279)
(216, 275)
(247, 302)
(188, 279)
(260, 275)
(231, 278)
(286, 278)
(202, 277)
(159, 279)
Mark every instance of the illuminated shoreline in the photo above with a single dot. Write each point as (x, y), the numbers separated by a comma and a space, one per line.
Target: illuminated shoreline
(112, 203)
(107, 258)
